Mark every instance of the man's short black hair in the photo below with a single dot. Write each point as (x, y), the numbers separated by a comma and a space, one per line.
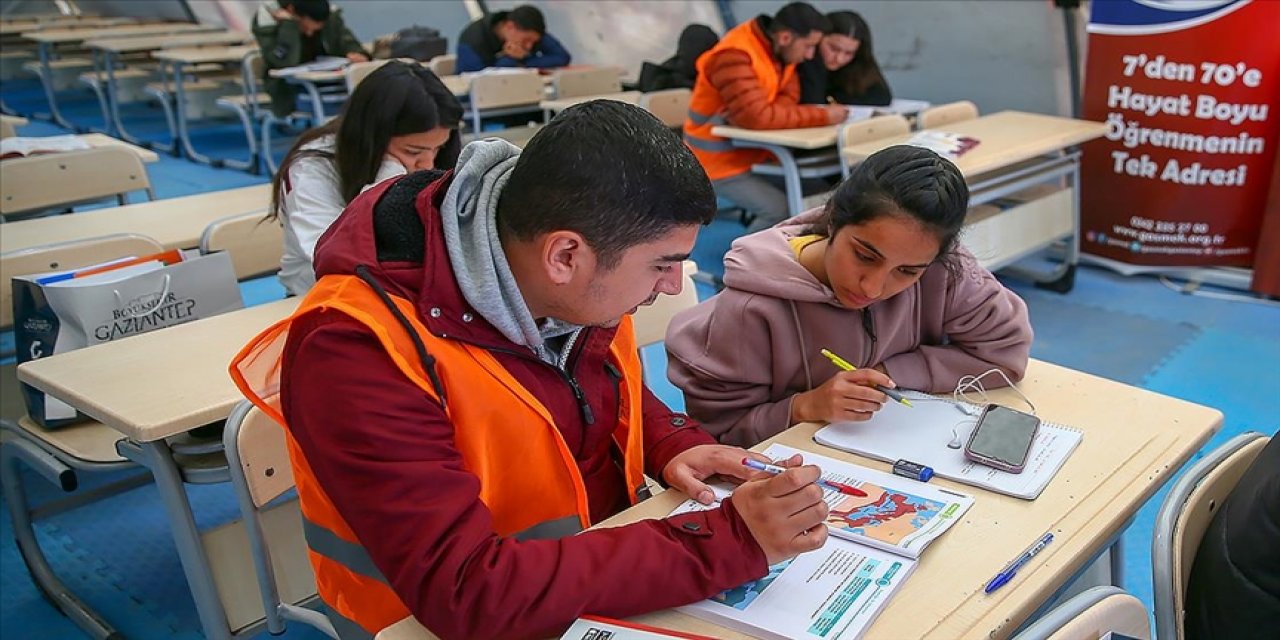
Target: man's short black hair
(801, 19)
(528, 18)
(317, 10)
(609, 171)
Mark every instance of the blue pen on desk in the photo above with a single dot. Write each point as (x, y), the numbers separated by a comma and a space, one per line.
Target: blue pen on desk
(1010, 570)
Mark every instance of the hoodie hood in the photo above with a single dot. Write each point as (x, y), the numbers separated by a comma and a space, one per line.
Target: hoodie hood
(266, 13)
(764, 263)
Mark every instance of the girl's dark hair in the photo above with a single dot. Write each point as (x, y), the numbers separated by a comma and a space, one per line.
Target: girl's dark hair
(863, 71)
(902, 180)
(396, 99)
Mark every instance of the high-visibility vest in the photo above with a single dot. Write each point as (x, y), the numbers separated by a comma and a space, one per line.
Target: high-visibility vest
(718, 156)
(499, 426)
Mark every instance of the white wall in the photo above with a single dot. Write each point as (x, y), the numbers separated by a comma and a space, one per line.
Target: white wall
(1002, 54)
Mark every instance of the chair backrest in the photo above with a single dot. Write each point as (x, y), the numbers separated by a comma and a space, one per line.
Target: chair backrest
(587, 82)
(671, 106)
(495, 90)
(945, 114)
(1183, 519)
(445, 65)
(255, 244)
(866, 130)
(1092, 615)
(358, 71)
(66, 255)
(57, 179)
(251, 70)
(651, 321)
(258, 460)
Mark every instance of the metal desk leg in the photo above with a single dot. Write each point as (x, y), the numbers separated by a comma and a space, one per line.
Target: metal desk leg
(317, 105)
(195, 563)
(100, 89)
(48, 583)
(1117, 562)
(47, 81)
(117, 122)
(790, 173)
(1063, 278)
(180, 106)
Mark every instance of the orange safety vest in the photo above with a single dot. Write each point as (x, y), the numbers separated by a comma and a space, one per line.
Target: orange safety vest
(489, 409)
(718, 156)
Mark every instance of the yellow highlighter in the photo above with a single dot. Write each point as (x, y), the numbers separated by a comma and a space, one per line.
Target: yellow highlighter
(844, 364)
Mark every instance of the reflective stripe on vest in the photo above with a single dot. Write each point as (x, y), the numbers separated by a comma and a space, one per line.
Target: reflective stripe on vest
(490, 410)
(718, 156)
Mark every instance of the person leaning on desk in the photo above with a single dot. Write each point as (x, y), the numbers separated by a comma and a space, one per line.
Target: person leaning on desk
(463, 394)
(878, 277)
(294, 32)
(515, 38)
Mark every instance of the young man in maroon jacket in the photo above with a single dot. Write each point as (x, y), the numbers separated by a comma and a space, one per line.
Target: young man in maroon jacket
(502, 288)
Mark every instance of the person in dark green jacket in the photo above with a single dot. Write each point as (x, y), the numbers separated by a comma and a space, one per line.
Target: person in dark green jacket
(294, 32)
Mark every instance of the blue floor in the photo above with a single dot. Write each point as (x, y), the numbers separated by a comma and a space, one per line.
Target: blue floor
(118, 554)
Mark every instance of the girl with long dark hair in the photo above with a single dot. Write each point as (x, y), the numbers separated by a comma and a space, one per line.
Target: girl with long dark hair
(400, 119)
(845, 70)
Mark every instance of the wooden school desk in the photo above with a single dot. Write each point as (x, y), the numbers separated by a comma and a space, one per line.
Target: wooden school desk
(175, 223)
(156, 385)
(102, 140)
(177, 61)
(47, 39)
(1134, 441)
(312, 82)
(783, 144)
(550, 107)
(107, 53)
(1018, 150)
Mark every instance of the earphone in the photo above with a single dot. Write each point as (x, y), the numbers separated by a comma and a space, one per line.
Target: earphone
(970, 396)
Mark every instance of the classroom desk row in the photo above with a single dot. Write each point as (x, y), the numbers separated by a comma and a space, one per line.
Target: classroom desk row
(108, 53)
(1134, 441)
(47, 40)
(175, 223)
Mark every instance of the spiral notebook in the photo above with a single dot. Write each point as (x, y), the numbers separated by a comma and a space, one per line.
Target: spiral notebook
(922, 432)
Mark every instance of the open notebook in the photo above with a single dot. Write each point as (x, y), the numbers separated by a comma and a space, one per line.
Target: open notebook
(837, 591)
(922, 432)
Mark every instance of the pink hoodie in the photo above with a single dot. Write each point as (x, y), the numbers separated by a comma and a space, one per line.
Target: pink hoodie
(741, 356)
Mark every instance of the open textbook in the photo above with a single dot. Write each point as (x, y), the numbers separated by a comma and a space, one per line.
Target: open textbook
(925, 432)
(836, 592)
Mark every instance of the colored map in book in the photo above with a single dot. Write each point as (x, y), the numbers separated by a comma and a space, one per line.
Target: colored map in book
(884, 515)
(741, 596)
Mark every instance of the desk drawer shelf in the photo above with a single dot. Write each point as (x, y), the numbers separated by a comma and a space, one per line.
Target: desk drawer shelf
(1008, 229)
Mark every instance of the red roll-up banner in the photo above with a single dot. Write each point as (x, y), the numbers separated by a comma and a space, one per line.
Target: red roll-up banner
(1189, 90)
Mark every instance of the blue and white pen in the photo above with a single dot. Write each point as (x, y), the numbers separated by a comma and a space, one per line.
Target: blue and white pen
(830, 485)
(1010, 570)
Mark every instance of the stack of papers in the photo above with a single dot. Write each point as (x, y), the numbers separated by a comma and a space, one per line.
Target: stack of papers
(951, 145)
(323, 63)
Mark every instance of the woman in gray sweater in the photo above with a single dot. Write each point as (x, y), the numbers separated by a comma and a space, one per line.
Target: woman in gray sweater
(878, 277)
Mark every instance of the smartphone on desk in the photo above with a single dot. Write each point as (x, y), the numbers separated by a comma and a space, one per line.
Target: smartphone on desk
(1002, 438)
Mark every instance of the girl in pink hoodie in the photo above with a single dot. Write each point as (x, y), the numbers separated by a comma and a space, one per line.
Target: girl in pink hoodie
(878, 277)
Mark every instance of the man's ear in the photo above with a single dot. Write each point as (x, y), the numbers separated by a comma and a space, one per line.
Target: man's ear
(565, 255)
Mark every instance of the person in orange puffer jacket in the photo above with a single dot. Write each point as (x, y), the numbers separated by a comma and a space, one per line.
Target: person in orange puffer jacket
(749, 80)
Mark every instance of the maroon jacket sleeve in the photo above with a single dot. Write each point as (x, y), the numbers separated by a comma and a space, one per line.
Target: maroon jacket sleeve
(667, 434)
(384, 452)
